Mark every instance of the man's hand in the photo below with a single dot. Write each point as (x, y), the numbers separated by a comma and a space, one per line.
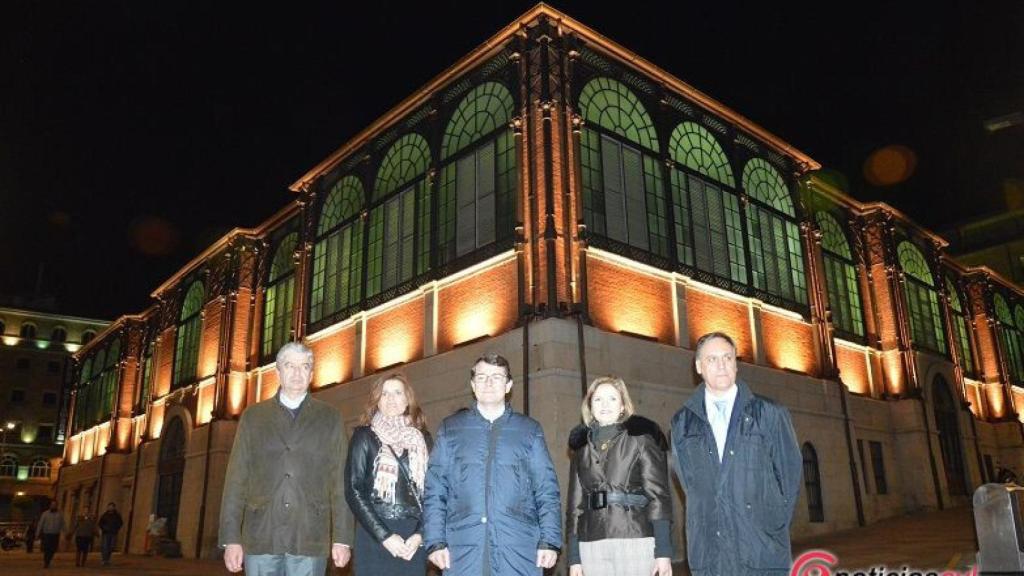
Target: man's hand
(662, 567)
(576, 570)
(340, 554)
(233, 557)
(441, 558)
(412, 544)
(546, 558)
(395, 545)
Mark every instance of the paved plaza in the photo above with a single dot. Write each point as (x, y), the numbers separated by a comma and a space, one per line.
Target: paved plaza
(935, 540)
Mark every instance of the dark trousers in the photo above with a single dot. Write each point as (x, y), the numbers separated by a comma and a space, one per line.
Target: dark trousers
(30, 542)
(49, 544)
(107, 546)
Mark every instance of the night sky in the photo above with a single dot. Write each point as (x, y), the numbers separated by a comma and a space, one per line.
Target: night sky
(134, 134)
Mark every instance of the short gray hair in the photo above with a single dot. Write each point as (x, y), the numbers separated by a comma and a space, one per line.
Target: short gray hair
(711, 336)
(294, 347)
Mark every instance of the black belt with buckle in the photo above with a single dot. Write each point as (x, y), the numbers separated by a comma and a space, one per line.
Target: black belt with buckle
(600, 499)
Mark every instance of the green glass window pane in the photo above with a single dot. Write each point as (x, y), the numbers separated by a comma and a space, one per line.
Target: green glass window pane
(657, 217)
(611, 105)
(954, 296)
(913, 263)
(593, 186)
(446, 214)
(832, 237)
(763, 183)
(375, 250)
(1019, 313)
(406, 160)
(193, 300)
(1002, 310)
(147, 381)
(186, 350)
(99, 361)
(342, 203)
(485, 109)
(734, 230)
(695, 147)
(507, 184)
(681, 212)
(114, 353)
(86, 371)
(963, 345)
(283, 262)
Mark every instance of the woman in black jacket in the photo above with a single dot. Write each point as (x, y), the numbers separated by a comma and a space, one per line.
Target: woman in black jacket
(620, 503)
(387, 462)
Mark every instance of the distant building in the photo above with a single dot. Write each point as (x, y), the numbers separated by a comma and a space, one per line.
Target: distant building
(35, 359)
(562, 201)
(996, 242)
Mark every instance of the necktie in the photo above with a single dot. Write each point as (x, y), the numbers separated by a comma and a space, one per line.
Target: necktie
(720, 426)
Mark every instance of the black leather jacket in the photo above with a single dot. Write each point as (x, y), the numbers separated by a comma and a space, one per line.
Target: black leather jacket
(368, 508)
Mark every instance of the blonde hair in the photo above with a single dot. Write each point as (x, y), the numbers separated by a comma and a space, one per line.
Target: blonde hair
(620, 386)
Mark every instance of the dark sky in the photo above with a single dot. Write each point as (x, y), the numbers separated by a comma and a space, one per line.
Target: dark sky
(133, 134)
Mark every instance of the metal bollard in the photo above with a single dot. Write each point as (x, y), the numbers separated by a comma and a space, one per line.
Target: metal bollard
(999, 522)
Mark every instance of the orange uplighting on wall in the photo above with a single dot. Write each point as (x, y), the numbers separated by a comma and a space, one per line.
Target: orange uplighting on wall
(712, 313)
(394, 335)
(124, 434)
(236, 393)
(788, 343)
(102, 438)
(333, 356)
(479, 305)
(88, 444)
(204, 402)
(974, 397)
(268, 384)
(996, 399)
(210, 344)
(892, 367)
(622, 299)
(73, 449)
(853, 368)
(156, 423)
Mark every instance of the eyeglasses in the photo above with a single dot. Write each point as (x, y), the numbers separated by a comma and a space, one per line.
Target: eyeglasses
(492, 378)
(718, 360)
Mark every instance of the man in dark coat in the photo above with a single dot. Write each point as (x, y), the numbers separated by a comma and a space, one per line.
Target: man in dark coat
(110, 524)
(740, 465)
(283, 510)
(491, 502)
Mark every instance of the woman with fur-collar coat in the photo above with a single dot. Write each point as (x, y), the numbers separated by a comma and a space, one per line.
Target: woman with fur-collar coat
(620, 503)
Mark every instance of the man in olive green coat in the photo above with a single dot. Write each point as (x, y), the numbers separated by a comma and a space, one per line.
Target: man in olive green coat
(283, 509)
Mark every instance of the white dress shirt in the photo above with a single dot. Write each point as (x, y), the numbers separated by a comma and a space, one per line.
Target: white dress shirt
(720, 425)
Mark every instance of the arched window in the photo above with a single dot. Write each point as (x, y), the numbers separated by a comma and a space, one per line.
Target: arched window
(171, 468)
(840, 277)
(87, 336)
(946, 417)
(186, 348)
(708, 221)
(961, 328)
(59, 334)
(338, 252)
(478, 178)
(812, 483)
(279, 297)
(399, 242)
(623, 195)
(1010, 338)
(108, 381)
(776, 253)
(96, 393)
(28, 330)
(40, 468)
(922, 300)
(8, 466)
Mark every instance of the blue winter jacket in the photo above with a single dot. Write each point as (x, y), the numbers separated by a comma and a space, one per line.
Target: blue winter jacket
(491, 495)
(738, 512)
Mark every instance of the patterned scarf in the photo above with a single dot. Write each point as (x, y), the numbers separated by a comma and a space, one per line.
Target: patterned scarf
(395, 431)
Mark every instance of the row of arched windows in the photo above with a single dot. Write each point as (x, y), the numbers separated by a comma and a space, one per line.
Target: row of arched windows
(686, 203)
(40, 467)
(58, 334)
(97, 386)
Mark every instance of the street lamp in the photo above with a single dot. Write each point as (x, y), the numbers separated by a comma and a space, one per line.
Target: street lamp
(7, 428)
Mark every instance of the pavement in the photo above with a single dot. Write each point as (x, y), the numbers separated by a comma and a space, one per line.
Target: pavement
(928, 541)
